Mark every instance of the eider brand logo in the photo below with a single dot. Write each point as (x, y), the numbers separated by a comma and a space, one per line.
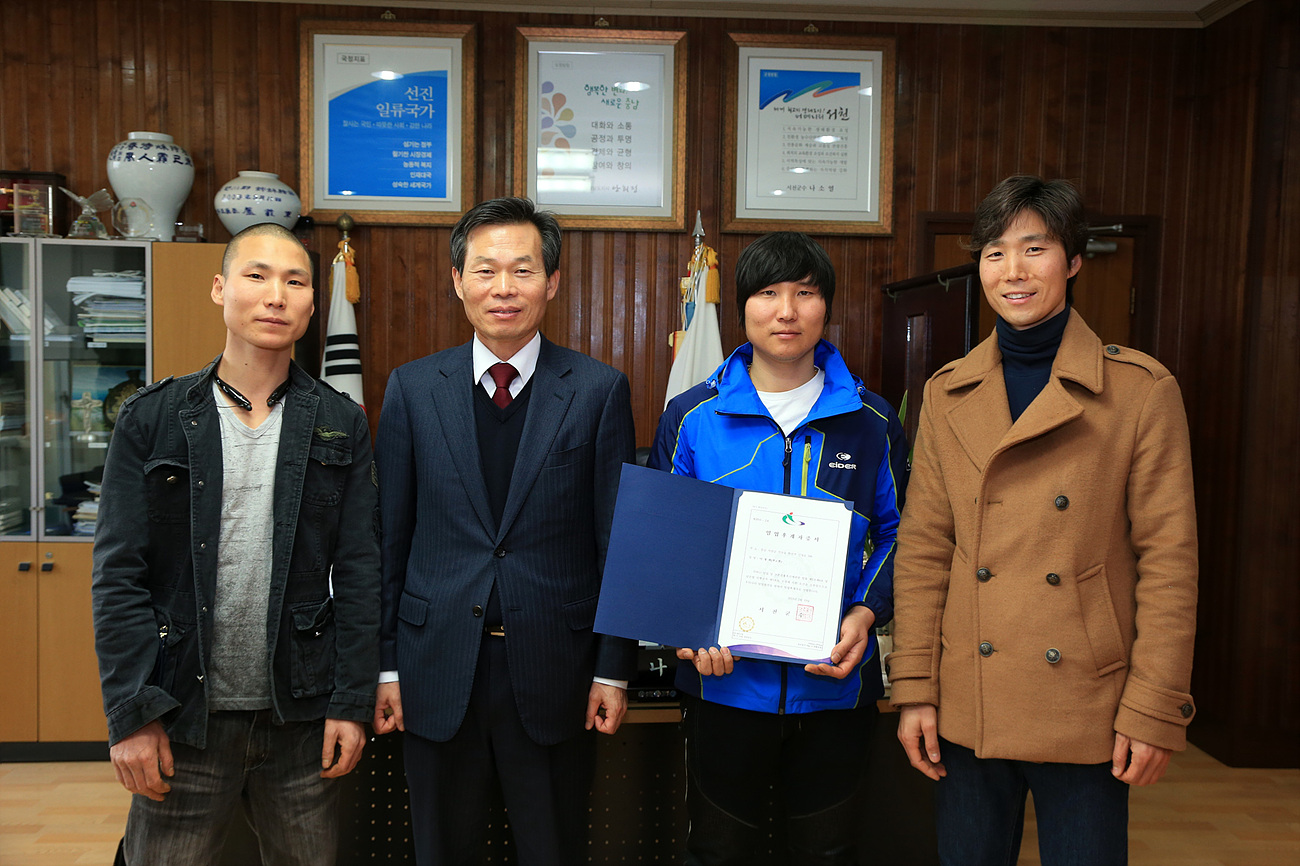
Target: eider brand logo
(841, 461)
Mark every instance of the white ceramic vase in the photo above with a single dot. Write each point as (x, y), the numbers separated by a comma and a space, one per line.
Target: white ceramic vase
(256, 197)
(151, 167)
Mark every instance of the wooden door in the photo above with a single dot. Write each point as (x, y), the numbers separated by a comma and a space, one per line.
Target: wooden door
(928, 321)
(71, 709)
(18, 614)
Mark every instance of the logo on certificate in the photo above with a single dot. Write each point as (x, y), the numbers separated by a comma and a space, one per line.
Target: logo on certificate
(791, 520)
(746, 623)
(804, 613)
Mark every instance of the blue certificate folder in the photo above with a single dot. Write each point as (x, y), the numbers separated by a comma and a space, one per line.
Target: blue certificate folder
(667, 560)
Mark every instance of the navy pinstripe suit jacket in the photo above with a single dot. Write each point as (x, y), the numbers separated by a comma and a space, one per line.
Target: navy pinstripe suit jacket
(442, 552)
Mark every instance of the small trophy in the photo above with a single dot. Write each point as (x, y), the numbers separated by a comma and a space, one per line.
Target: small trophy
(88, 225)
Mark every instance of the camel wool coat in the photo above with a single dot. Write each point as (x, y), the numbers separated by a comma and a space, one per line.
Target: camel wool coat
(1045, 581)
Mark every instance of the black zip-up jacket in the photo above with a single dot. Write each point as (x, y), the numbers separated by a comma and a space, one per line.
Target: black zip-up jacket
(155, 559)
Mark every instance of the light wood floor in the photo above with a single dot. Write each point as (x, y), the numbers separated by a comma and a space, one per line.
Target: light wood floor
(1202, 814)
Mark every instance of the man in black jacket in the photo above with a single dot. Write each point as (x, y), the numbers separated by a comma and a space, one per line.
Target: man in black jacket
(236, 583)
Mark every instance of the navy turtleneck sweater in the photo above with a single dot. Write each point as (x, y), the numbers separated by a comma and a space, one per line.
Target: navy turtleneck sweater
(1027, 358)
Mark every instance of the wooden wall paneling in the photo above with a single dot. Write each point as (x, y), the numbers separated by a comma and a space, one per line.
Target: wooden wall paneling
(1214, 310)
(1008, 112)
(1116, 172)
(1268, 622)
(59, 79)
(1143, 181)
(987, 87)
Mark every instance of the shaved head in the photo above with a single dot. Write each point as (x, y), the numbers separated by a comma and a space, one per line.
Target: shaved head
(260, 230)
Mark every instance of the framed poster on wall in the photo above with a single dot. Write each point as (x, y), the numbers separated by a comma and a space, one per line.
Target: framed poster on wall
(600, 132)
(386, 130)
(809, 133)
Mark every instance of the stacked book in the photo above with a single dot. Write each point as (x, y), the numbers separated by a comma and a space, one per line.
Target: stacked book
(13, 409)
(111, 306)
(16, 312)
(12, 515)
(83, 519)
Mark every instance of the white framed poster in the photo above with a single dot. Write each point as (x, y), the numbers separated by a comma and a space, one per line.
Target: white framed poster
(810, 134)
(386, 131)
(599, 126)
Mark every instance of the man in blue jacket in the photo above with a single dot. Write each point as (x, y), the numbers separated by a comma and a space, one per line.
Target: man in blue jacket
(236, 583)
(783, 414)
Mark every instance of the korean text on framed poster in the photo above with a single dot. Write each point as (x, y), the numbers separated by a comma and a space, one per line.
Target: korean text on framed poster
(809, 133)
(386, 131)
(600, 134)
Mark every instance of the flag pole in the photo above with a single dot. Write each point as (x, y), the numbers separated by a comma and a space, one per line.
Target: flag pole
(341, 363)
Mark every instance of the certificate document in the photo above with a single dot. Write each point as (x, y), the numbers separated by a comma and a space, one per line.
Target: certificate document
(784, 585)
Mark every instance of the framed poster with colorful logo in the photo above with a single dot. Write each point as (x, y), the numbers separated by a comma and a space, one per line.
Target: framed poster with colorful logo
(600, 133)
(386, 131)
(809, 134)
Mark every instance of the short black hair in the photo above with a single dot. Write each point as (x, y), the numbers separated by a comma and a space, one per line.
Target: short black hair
(274, 230)
(1057, 202)
(507, 212)
(783, 257)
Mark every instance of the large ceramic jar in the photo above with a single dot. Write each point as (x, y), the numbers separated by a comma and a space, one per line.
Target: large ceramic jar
(152, 168)
(256, 197)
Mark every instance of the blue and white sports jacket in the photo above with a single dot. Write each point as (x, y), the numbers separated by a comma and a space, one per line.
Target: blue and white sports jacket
(850, 447)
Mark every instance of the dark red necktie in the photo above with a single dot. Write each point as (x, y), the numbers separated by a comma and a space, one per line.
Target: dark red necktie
(503, 374)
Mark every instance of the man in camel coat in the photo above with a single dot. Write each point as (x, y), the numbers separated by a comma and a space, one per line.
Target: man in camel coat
(1045, 584)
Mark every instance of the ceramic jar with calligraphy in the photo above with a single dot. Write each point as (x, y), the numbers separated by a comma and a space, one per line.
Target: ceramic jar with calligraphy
(150, 167)
(256, 197)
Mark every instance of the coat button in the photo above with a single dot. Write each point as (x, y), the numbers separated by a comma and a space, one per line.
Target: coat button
(1053, 656)
(1112, 350)
(172, 479)
(203, 545)
(986, 649)
(1187, 710)
(1054, 579)
(983, 575)
(499, 553)
(477, 610)
(194, 423)
(200, 485)
(1062, 502)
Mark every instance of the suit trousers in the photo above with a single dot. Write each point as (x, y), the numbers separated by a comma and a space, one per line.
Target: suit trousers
(546, 788)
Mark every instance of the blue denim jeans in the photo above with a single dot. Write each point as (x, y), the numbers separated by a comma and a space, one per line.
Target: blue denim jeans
(1081, 811)
(273, 771)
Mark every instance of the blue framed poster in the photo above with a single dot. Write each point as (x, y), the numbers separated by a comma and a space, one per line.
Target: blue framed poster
(810, 140)
(387, 126)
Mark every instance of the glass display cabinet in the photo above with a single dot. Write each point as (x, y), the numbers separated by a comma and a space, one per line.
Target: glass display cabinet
(74, 343)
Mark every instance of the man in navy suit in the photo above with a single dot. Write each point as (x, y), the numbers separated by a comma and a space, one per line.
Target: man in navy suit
(498, 467)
